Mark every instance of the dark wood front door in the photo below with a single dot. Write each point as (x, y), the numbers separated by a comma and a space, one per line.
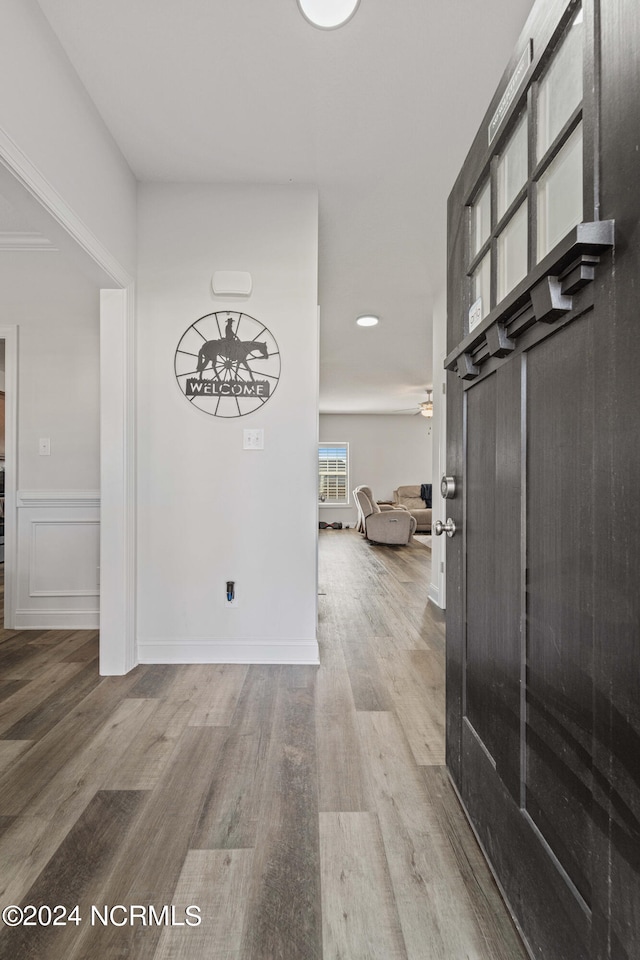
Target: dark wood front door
(543, 573)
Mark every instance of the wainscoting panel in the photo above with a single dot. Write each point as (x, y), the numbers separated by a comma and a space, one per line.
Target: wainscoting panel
(58, 572)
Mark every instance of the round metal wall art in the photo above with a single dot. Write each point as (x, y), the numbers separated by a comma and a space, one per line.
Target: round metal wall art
(227, 364)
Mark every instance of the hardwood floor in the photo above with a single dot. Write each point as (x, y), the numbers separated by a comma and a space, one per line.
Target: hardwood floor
(305, 810)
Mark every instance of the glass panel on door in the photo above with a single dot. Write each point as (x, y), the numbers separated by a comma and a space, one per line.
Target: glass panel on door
(513, 252)
(481, 219)
(560, 90)
(481, 284)
(512, 167)
(560, 195)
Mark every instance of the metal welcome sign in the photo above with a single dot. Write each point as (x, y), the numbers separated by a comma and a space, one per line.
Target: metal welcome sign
(227, 364)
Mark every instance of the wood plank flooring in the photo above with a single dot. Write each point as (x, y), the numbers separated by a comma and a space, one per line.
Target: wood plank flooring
(305, 810)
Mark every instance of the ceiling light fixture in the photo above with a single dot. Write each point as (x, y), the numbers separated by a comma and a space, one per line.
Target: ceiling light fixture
(367, 321)
(426, 407)
(328, 14)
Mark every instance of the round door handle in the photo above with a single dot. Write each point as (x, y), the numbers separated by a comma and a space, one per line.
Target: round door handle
(449, 527)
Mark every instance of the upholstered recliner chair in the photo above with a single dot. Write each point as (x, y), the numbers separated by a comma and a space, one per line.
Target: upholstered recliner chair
(409, 498)
(386, 524)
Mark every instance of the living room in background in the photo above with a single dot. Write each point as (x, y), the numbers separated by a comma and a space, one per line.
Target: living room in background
(385, 451)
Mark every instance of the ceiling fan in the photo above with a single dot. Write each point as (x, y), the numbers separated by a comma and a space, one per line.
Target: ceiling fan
(425, 408)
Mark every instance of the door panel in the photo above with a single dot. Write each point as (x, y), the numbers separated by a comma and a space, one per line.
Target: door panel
(543, 619)
(493, 589)
(561, 545)
(481, 691)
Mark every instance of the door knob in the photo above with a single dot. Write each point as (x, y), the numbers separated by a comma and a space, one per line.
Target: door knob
(449, 527)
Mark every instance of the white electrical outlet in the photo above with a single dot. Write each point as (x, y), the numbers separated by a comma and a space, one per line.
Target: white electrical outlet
(44, 447)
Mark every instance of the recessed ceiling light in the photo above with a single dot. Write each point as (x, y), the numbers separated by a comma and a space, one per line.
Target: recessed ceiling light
(367, 321)
(328, 13)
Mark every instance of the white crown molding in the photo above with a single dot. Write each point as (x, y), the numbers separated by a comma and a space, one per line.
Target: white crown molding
(39, 187)
(24, 242)
(58, 498)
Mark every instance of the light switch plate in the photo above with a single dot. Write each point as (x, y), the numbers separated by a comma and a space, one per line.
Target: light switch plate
(253, 439)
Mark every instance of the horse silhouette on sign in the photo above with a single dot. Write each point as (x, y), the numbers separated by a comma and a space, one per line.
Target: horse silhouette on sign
(233, 352)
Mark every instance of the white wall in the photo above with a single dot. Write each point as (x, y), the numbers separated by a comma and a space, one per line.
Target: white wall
(57, 312)
(384, 453)
(51, 129)
(81, 194)
(57, 511)
(209, 511)
(439, 544)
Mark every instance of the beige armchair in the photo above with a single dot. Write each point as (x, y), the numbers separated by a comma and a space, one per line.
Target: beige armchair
(385, 523)
(409, 498)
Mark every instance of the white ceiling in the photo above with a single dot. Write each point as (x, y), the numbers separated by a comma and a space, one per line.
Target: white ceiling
(379, 114)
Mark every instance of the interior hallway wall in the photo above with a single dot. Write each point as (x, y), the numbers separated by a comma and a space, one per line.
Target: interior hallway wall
(81, 195)
(56, 310)
(208, 510)
(384, 452)
(50, 128)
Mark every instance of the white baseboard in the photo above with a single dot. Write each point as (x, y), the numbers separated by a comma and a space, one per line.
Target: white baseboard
(434, 595)
(292, 652)
(57, 619)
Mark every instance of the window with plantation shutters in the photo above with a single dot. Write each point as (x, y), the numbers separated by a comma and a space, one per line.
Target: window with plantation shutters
(333, 473)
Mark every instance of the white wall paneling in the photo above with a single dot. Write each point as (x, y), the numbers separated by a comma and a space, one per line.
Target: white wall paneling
(57, 575)
(53, 540)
